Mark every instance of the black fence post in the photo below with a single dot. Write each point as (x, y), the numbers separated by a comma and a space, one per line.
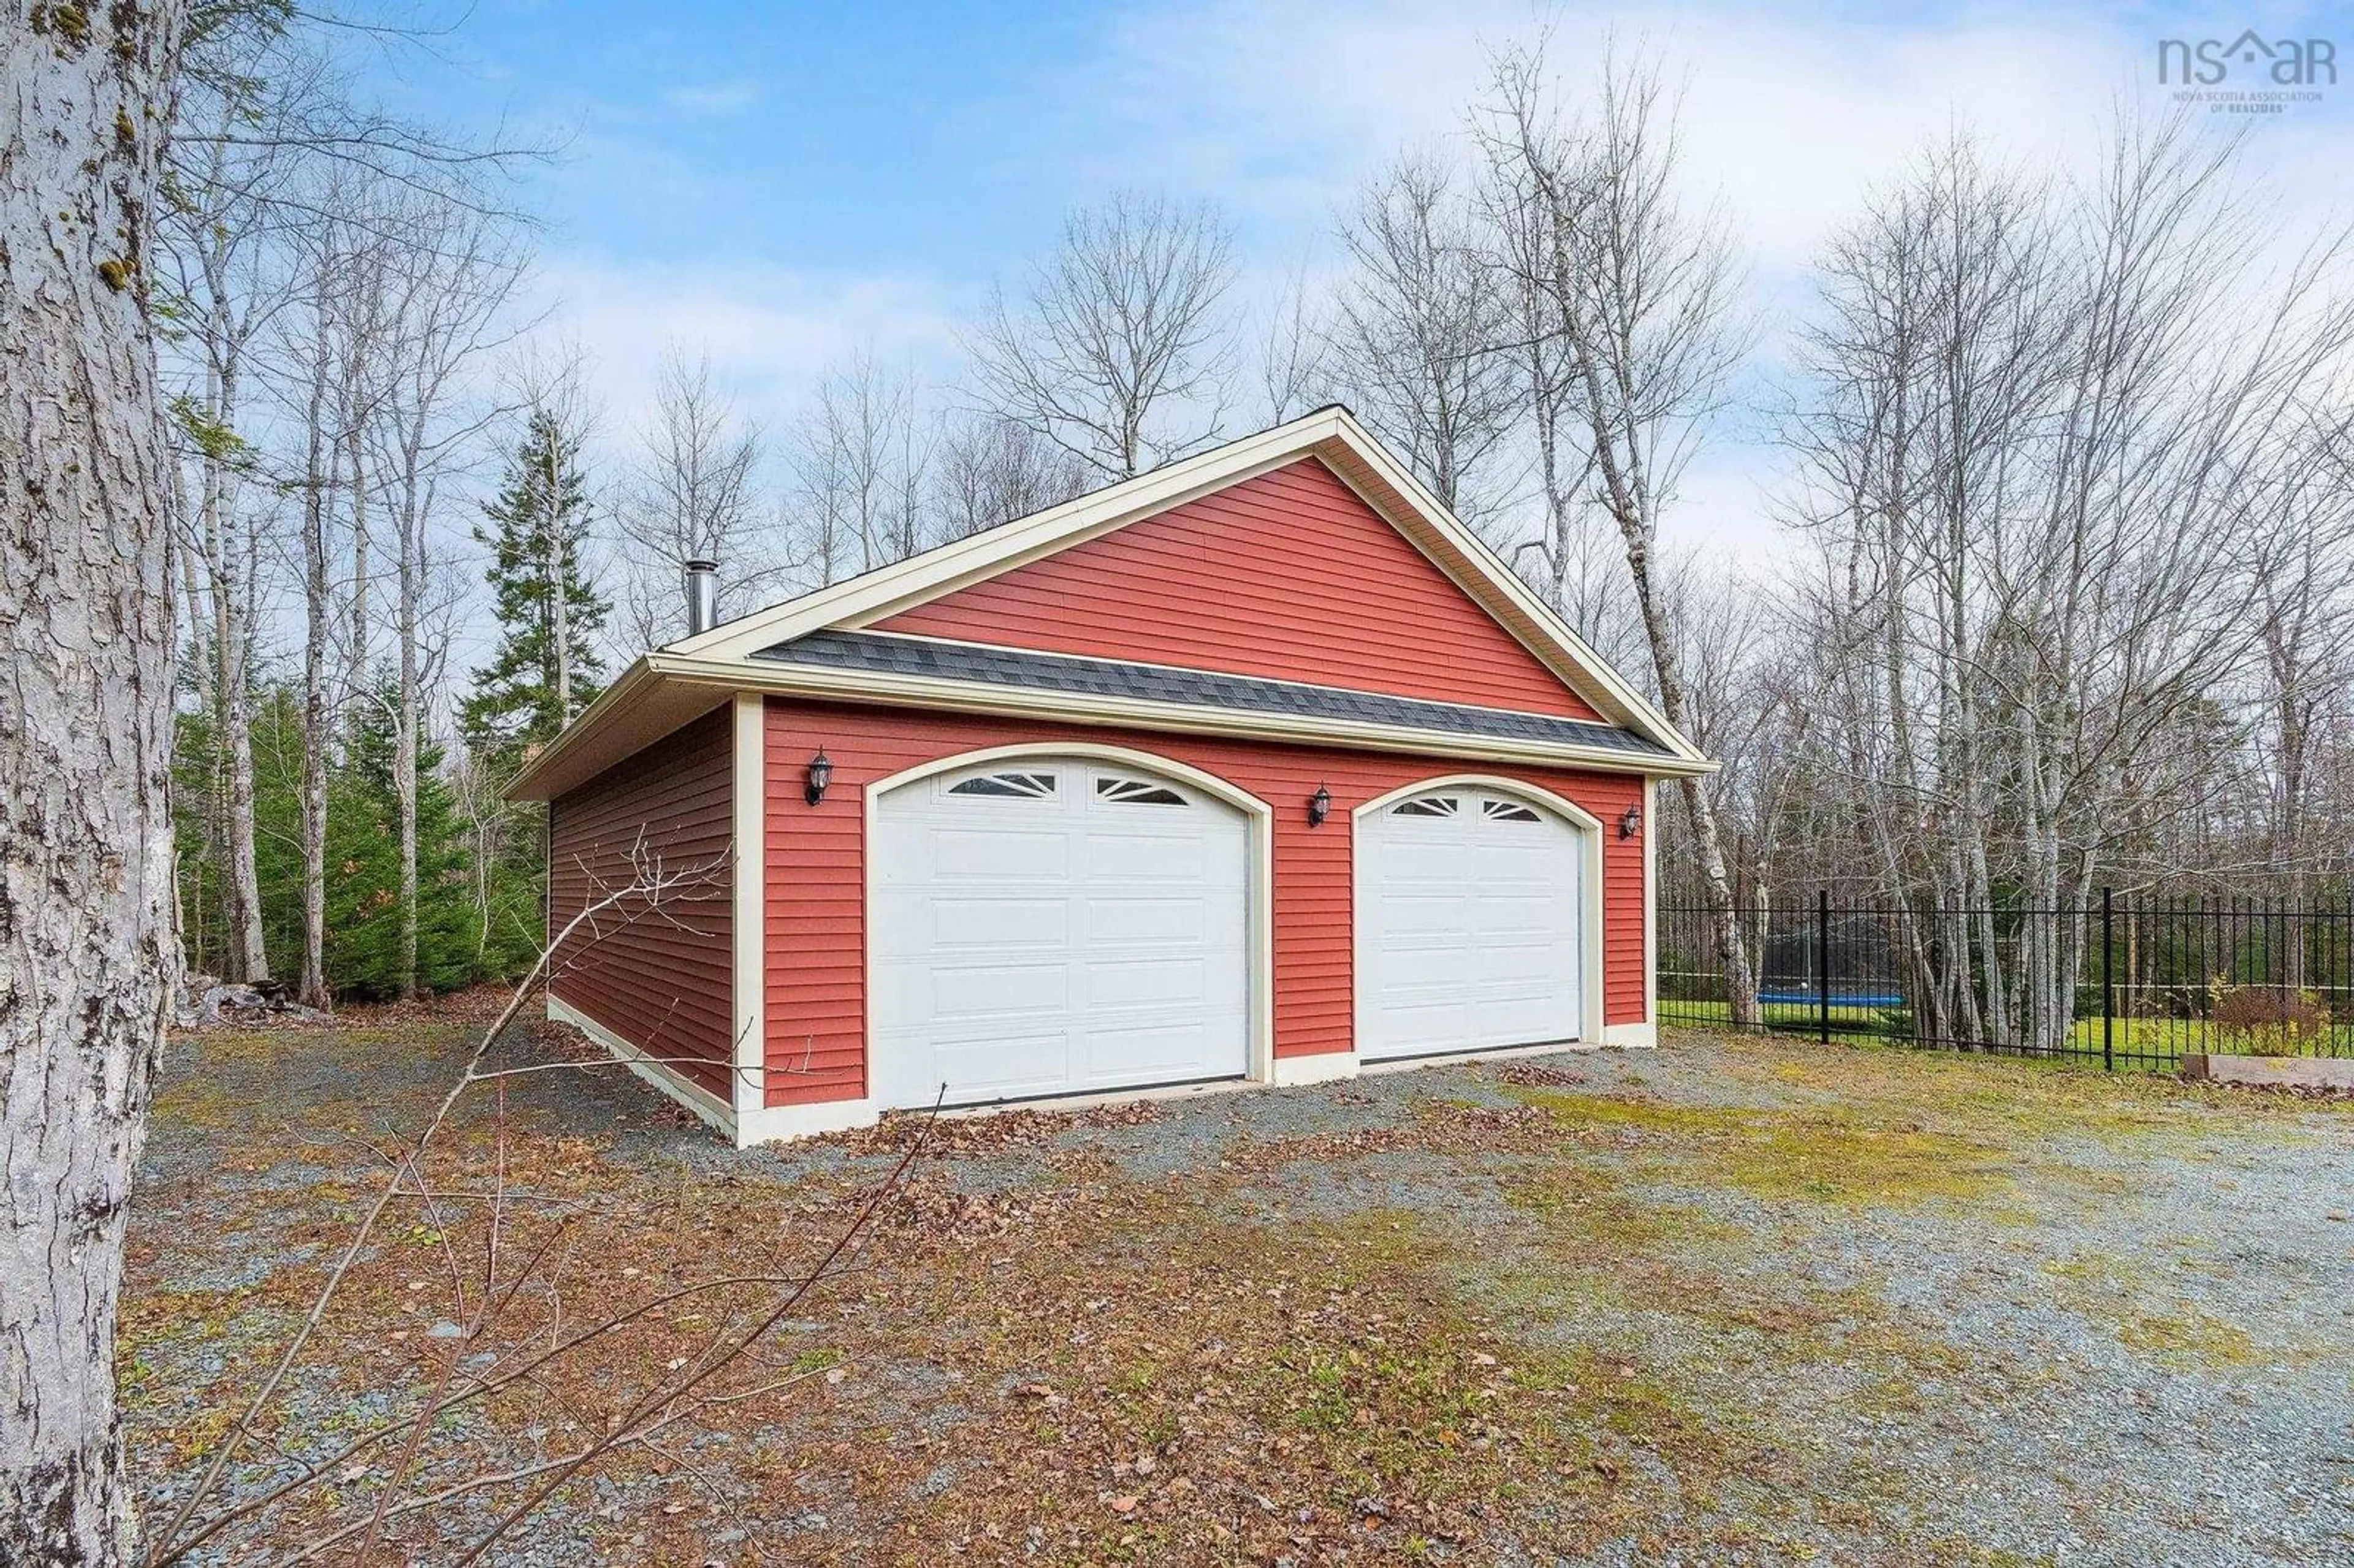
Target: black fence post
(1823, 961)
(2108, 980)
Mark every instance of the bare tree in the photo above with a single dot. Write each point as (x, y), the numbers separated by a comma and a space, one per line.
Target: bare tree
(990, 470)
(2055, 438)
(695, 496)
(1415, 340)
(1577, 557)
(1747, 707)
(446, 306)
(216, 239)
(320, 380)
(1120, 352)
(1639, 298)
(88, 961)
(855, 485)
(2305, 586)
(1294, 368)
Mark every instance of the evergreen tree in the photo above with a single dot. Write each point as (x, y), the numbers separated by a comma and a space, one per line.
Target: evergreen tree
(195, 813)
(363, 950)
(363, 868)
(545, 671)
(278, 822)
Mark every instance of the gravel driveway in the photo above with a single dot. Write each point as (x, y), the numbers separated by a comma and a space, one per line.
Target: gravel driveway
(1729, 1301)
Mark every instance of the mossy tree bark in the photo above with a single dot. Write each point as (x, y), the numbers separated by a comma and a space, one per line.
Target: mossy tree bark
(88, 958)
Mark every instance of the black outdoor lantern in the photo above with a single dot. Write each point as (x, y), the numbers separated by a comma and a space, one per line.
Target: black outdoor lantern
(1631, 824)
(820, 774)
(1319, 806)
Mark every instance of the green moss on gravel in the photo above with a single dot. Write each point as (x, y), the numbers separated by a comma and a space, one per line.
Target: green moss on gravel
(1788, 1154)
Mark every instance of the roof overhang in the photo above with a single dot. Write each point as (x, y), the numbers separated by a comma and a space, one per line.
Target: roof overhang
(677, 684)
(664, 691)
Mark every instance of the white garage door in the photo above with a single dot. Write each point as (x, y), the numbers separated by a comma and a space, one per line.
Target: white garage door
(1055, 927)
(1469, 908)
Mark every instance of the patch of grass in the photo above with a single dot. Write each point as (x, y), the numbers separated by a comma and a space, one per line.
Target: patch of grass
(1788, 1154)
(1582, 1198)
(2167, 1039)
(1640, 1113)
(2190, 1335)
(2128, 1298)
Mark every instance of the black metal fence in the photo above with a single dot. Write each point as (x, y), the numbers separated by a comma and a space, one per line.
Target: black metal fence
(2138, 982)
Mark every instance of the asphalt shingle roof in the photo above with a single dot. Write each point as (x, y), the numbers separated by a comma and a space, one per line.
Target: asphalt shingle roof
(1188, 688)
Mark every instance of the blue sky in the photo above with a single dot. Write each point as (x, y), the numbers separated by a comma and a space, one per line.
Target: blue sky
(784, 185)
(850, 139)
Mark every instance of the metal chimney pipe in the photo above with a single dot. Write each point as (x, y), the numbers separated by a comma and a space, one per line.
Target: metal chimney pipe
(702, 596)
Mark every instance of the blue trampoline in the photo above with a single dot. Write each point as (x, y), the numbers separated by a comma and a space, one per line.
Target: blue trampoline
(1839, 999)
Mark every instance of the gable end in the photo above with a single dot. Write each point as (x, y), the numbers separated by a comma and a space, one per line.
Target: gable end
(1285, 576)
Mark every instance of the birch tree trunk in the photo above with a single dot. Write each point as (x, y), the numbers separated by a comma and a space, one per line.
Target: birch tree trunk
(1641, 298)
(88, 957)
(406, 719)
(228, 572)
(356, 677)
(237, 743)
(319, 470)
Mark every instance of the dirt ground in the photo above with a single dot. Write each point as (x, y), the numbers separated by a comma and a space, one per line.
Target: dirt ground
(1730, 1301)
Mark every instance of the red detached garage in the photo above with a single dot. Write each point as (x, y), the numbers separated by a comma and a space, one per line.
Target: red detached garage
(1259, 767)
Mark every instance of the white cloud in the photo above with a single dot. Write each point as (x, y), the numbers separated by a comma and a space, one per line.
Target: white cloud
(770, 331)
(713, 100)
(1276, 108)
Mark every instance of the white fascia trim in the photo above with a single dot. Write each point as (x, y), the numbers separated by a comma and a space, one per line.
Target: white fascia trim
(1323, 1067)
(750, 923)
(713, 1111)
(1090, 708)
(1631, 1036)
(611, 706)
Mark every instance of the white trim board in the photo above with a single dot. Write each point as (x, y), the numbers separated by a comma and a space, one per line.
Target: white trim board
(1650, 906)
(750, 925)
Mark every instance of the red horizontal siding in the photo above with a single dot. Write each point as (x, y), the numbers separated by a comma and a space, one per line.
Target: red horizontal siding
(816, 887)
(659, 979)
(1289, 576)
